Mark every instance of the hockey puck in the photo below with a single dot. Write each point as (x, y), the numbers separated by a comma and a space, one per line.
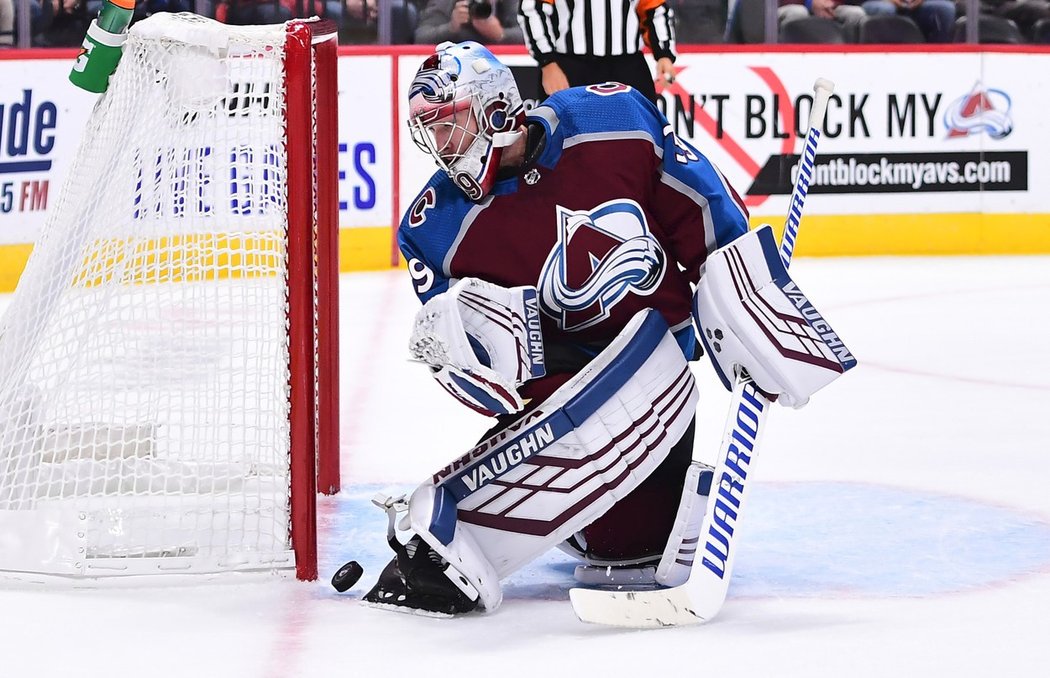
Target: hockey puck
(347, 576)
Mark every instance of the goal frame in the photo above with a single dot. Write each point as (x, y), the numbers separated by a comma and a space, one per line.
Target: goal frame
(299, 382)
(311, 96)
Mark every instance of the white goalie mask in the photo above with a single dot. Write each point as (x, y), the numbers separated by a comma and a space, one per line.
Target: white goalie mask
(464, 109)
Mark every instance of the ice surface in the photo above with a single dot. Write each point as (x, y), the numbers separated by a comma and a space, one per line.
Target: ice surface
(900, 523)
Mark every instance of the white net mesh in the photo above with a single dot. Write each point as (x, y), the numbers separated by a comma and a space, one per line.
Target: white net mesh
(144, 358)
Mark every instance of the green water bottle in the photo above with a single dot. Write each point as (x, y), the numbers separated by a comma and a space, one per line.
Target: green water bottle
(102, 46)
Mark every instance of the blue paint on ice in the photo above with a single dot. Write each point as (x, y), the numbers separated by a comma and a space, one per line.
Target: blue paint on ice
(843, 539)
(814, 540)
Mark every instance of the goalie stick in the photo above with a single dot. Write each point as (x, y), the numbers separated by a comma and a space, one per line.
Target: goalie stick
(701, 597)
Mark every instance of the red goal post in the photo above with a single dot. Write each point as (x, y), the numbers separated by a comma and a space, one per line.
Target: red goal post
(312, 110)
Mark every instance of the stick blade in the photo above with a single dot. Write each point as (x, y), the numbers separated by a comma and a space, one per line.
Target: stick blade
(636, 609)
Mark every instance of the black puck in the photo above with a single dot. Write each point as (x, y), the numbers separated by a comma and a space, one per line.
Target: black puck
(347, 576)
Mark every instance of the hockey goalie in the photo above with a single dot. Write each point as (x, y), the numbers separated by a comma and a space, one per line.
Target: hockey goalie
(563, 258)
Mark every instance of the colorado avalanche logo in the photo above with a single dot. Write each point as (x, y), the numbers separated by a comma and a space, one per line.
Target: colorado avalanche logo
(417, 214)
(981, 110)
(601, 256)
(496, 114)
(430, 93)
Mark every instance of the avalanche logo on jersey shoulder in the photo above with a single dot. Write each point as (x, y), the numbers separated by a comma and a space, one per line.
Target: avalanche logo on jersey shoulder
(601, 255)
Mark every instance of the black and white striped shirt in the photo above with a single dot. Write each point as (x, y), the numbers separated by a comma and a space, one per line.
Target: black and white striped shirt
(596, 27)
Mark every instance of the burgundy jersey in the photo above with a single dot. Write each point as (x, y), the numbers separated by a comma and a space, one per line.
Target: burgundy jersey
(616, 214)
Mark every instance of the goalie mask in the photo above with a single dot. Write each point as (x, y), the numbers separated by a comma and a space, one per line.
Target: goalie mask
(464, 110)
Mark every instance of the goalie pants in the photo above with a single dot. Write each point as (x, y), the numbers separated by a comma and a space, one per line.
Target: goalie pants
(637, 527)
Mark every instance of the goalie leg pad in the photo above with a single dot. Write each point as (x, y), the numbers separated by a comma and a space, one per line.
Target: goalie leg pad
(680, 551)
(532, 485)
(636, 529)
(751, 314)
(673, 566)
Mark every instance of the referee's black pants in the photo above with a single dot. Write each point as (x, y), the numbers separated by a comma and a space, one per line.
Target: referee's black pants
(630, 69)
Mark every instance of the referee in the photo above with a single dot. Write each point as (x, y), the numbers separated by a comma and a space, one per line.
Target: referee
(586, 42)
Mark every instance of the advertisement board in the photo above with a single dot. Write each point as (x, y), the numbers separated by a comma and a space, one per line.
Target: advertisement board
(923, 152)
(42, 118)
(896, 140)
(365, 142)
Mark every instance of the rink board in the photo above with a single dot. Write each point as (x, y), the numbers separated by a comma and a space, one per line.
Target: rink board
(909, 164)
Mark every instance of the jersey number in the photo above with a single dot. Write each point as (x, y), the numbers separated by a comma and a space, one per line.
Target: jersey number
(685, 153)
(422, 276)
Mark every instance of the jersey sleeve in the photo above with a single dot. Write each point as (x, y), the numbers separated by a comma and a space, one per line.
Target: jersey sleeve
(695, 205)
(427, 278)
(428, 232)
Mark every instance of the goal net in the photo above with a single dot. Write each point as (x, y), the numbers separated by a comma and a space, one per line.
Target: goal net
(168, 366)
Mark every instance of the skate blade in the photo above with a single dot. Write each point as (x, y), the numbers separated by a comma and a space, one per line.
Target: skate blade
(415, 611)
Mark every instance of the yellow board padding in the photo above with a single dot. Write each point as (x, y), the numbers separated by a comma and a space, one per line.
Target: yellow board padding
(12, 262)
(917, 234)
(365, 248)
(191, 258)
(370, 248)
(176, 258)
(181, 258)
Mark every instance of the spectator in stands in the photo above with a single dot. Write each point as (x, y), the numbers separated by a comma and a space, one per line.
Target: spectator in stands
(7, 22)
(248, 12)
(936, 18)
(358, 24)
(486, 21)
(747, 21)
(1024, 13)
(699, 22)
(845, 12)
(40, 14)
(151, 7)
(59, 23)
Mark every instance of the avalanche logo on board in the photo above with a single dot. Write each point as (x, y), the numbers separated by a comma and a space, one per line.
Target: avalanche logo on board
(601, 255)
(981, 110)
